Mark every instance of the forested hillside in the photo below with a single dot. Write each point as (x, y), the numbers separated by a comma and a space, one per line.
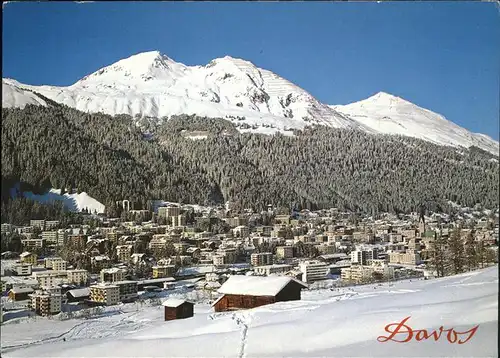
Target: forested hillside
(111, 159)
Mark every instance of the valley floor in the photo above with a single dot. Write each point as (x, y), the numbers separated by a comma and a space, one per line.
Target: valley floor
(325, 323)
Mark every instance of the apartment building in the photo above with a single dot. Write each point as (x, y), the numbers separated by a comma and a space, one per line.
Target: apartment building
(356, 274)
(60, 265)
(112, 275)
(410, 257)
(99, 263)
(7, 228)
(45, 303)
(313, 271)
(236, 221)
(229, 255)
(23, 269)
(241, 231)
(50, 237)
(178, 220)
(49, 279)
(78, 240)
(163, 271)
(51, 224)
(48, 261)
(159, 241)
(127, 290)
(365, 273)
(78, 277)
(105, 293)
(32, 243)
(169, 211)
(272, 269)
(261, 259)
(362, 256)
(28, 258)
(124, 252)
(284, 252)
(38, 223)
(219, 260)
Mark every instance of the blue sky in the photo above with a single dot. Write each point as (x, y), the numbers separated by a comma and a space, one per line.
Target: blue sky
(441, 56)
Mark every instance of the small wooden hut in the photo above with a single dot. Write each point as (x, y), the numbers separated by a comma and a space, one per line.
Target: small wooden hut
(178, 309)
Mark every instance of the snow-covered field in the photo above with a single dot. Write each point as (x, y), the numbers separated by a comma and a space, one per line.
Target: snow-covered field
(325, 323)
(74, 202)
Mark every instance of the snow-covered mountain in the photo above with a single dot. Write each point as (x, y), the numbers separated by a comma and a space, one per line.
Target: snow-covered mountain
(151, 84)
(15, 96)
(385, 113)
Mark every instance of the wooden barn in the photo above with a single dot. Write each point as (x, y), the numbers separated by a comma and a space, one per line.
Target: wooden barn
(254, 291)
(178, 309)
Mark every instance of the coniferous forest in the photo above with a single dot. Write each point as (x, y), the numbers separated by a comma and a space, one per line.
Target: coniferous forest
(112, 159)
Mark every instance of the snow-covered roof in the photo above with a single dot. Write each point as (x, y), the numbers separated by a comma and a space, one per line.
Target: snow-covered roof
(174, 302)
(21, 290)
(80, 292)
(256, 286)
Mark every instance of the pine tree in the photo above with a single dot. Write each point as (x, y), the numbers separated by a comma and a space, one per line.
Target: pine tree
(457, 251)
(470, 252)
(438, 256)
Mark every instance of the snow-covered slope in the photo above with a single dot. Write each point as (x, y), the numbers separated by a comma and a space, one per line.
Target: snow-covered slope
(340, 323)
(14, 96)
(74, 202)
(385, 113)
(151, 84)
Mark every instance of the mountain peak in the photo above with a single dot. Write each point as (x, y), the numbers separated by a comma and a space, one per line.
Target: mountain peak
(386, 97)
(145, 65)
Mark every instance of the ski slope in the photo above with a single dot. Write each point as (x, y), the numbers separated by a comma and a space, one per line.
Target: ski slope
(74, 202)
(338, 323)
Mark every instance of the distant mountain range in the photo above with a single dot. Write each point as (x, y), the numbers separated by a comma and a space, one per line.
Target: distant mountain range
(151, 84)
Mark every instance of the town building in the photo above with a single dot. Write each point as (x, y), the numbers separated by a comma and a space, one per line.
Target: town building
(78, 277)
(124, 252)
(284, 252)
(45, 303)
(272, 269)
(112, 275)
(49, 278)
(51, 224)
(23, 269)
(38, 223)
(163, 271)
(50, 237)
(410, 257)
(127, 289)
(261, 259)
(362, 256)
(105, 293)
(313, 271)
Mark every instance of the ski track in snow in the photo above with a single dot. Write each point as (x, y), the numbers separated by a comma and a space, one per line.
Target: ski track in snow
(292, 328)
